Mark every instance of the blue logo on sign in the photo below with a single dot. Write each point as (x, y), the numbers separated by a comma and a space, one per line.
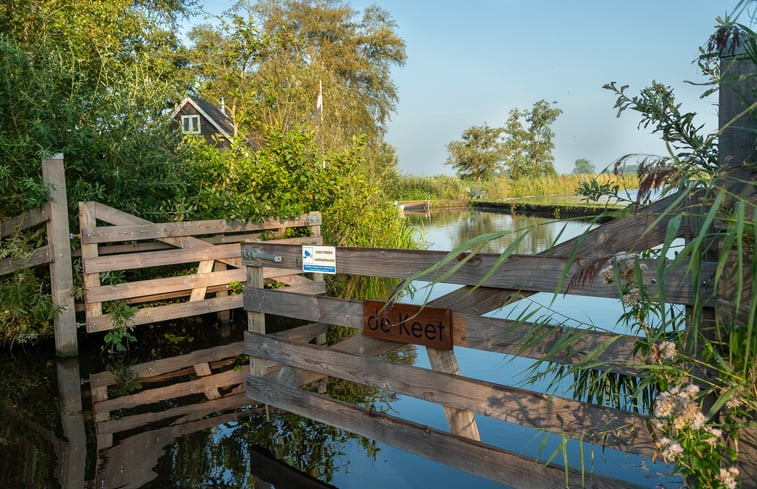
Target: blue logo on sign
(307, 254)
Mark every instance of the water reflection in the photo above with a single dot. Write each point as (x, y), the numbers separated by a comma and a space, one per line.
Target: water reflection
(446, 229)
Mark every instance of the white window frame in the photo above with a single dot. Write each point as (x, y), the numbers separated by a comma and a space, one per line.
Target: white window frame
(190, 124)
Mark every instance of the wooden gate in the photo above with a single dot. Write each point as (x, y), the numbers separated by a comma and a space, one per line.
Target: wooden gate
(461, 397)
(129, 243)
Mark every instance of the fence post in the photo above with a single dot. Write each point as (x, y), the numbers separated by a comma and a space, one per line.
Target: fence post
(61, 269)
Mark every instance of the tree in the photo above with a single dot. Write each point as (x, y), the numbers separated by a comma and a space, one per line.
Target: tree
(583, 167)
(270, 59)
(478, 156)
(528, 149)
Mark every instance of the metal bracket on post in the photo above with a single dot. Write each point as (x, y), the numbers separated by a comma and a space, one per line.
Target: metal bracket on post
(253, 254)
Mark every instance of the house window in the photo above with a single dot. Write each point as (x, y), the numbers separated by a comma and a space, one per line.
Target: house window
(190, 124)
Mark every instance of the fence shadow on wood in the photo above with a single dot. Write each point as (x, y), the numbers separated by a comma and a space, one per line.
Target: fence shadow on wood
(354, 359)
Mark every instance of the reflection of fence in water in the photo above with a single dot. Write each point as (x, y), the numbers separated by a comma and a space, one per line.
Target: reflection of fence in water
(171, 397)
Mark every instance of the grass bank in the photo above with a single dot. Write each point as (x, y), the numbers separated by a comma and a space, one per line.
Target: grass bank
(445, 187)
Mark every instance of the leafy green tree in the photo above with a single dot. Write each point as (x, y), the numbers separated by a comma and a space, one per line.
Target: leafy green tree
(528, 141)
(479, 155)
(269, 61)
(583, 167)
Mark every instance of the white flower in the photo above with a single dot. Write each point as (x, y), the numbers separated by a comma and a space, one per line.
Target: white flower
(667, 350)
(728, 477)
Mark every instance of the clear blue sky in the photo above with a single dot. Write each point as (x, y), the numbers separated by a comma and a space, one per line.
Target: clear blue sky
(471, 62)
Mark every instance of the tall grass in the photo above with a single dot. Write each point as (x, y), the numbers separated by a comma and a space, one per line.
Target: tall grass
(445, 187)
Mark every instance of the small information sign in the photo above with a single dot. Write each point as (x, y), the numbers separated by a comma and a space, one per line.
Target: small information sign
(319, 259)
(406, 323)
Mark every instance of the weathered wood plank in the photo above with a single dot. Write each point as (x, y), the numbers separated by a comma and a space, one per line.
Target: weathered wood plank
(256, 318)
(132, 261)
(233, 401)
(61, 268)
(484, 333)
(163, 366)
(173, 287)
(618, 429)
(145, 288)
(142, 231)
(515, 470)
(204, 267)
(25, 220)
(528, 273)
(639, 232)
(170, 311)
(87, 218)
(460, 419)
(39, 256)
(199, 386)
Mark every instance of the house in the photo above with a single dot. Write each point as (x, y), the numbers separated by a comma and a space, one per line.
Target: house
(197, 116)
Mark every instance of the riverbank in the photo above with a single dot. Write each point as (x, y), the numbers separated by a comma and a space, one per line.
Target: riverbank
(557, 210)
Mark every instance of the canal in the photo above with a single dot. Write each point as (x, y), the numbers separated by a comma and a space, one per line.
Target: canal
(45, 442)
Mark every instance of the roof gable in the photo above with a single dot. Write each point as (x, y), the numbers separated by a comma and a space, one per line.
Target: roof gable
(219, 119)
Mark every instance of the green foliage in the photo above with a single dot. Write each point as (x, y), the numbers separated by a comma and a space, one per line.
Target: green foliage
(583, 167)
(522, 148)
(268, 60)
(26, 308)
(118, 338)
(528, 148)
(479, 155)
(442, 187)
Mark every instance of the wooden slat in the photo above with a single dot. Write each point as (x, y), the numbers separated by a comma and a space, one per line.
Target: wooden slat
(167, 365)
(170, 311)
(132, 261)
(623, 430)
(459, 418)
(173, 287)
(88, 217)
(199, 386)
(639, 232)
(255, 318)
(25, 220)
(165, 285)
(234, 401)
(484, 333)
(142, 231)
(510, 468)
(534, 273)
(198, 294)
(39, 256)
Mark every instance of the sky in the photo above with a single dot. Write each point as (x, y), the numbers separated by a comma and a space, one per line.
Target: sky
(471, 62)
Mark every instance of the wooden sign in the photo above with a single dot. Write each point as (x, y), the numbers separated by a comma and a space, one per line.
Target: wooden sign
(406, 323)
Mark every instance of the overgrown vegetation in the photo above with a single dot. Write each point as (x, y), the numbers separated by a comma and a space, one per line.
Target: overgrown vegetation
(97, 82)
(443, 187)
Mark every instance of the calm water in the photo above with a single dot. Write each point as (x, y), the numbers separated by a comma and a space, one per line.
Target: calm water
(202, 450)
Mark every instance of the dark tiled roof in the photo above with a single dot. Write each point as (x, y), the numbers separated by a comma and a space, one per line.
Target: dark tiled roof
(221, 119)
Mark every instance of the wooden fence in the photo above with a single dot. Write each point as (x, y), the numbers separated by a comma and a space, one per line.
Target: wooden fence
(56, 253)
(460, 396)
(129, 243)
